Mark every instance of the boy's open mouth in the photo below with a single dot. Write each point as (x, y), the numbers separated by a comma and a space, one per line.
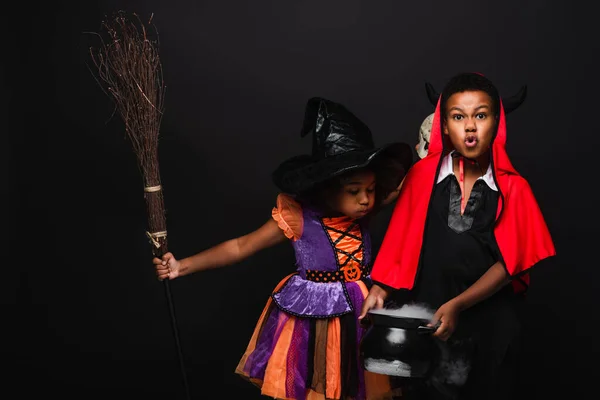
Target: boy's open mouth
(471, 141)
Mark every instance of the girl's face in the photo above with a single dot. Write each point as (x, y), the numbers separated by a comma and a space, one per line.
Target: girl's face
(356, 196)
(470, 123)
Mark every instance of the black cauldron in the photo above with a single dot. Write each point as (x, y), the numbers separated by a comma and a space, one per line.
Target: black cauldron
(397, 345)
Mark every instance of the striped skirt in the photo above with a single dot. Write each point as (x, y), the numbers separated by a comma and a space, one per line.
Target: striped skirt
(291, 357)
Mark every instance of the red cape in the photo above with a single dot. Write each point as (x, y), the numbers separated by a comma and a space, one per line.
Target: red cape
(521, 232)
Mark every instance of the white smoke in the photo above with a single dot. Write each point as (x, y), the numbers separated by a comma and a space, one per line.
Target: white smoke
(454, 365)
(396, 335)
(386, 367)
(419, 311)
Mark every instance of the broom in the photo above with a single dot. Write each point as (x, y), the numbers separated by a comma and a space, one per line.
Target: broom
(130, 73)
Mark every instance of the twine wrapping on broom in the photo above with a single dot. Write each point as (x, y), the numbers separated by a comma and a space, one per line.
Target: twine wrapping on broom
(153, 236)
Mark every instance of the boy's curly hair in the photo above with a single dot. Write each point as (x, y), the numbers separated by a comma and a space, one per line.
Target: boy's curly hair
(470, 81)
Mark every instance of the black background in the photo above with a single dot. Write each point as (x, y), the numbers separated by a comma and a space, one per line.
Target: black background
(92, 320)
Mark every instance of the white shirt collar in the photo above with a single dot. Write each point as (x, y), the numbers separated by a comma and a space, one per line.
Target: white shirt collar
(446, 169)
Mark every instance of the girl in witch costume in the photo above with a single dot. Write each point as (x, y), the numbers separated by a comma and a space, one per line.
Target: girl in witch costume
(305, 344)
(465, 231)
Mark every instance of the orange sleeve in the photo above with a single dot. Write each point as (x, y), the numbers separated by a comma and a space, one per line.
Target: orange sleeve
(288, 214)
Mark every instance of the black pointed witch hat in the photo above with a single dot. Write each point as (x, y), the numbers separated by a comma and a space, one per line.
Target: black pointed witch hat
(341, 142)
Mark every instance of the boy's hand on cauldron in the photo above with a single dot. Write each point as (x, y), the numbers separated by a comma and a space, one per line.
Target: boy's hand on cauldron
(447, 318)
(167, 267)
(375, 299)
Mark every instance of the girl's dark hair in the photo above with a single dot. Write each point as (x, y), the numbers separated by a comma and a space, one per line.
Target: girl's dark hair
(388, 175)
(470, 81)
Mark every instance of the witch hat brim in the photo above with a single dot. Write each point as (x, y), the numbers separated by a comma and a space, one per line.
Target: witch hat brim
(301, 173)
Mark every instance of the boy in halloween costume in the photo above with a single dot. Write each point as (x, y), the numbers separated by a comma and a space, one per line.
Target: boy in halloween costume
(464, 233)
(510, 104)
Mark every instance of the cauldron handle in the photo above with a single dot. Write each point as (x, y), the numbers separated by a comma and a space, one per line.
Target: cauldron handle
(424, 329)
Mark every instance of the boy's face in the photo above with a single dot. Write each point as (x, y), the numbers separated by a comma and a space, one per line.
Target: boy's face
(470, 122)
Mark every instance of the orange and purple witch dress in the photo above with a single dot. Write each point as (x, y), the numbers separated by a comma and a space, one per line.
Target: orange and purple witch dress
(306, 342)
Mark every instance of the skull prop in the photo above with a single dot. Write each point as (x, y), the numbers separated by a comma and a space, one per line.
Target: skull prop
(424, 133)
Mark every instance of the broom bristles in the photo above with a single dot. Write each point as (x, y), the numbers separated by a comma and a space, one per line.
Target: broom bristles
(129, 71)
